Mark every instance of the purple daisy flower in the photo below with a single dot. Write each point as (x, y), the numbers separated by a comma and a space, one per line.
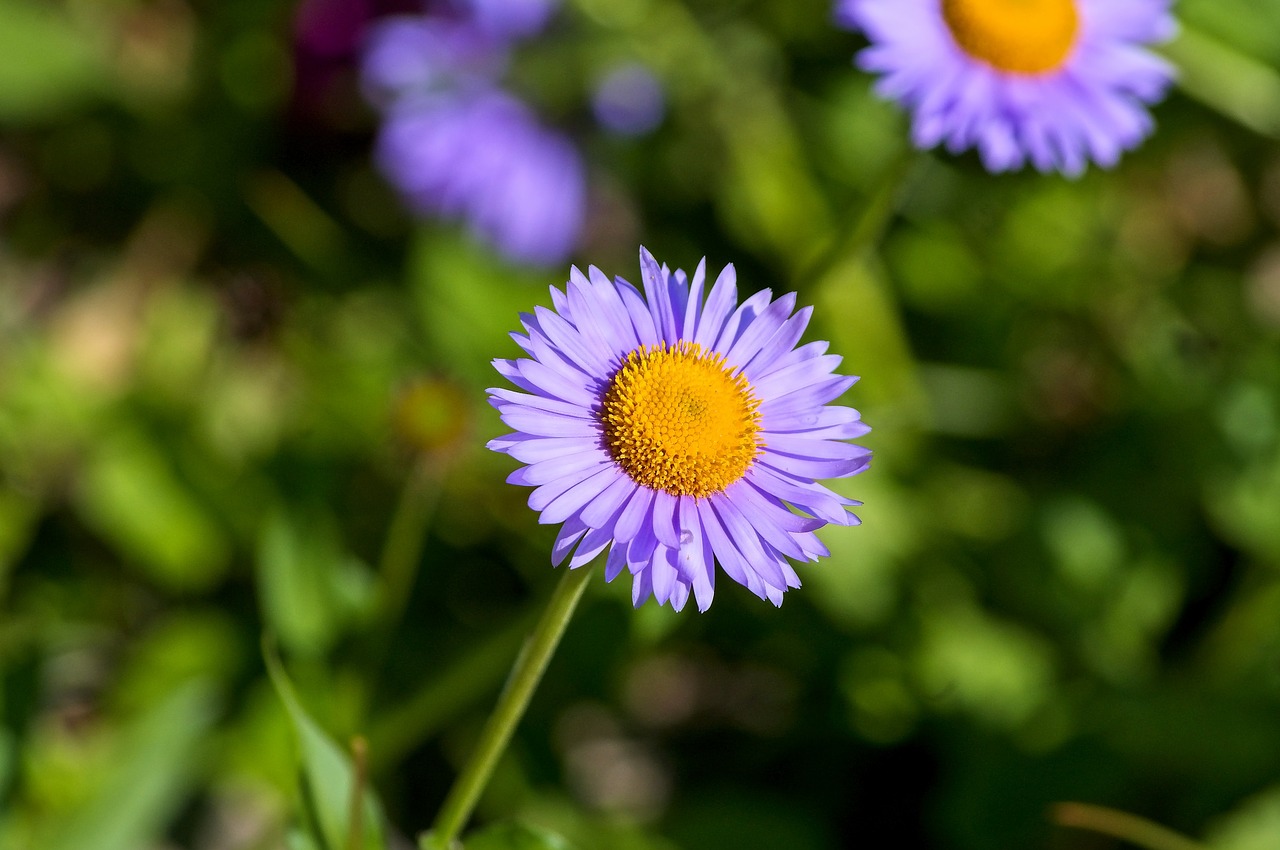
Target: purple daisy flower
(484, 159)
(679, 431)
(1056, 83)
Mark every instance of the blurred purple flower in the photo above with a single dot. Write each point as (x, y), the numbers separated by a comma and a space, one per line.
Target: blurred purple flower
(485, 160)
(629, 100)
(412, 55)
(459, 148)
(511, 19)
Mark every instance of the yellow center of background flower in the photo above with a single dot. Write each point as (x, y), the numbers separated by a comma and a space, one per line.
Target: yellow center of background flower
(1016, 36)
(678, 419)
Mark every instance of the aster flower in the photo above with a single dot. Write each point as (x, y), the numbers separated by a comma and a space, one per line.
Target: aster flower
(484, 159)
(677, 431)
(1056, 83)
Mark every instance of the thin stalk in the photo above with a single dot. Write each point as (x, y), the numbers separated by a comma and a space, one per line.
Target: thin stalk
(525, 675)
(360, 764)
(863, 230)
(398, 569)
(405, 537)
(1122, 825)
(401, 555)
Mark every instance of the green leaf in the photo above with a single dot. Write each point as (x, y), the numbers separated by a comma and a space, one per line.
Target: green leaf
(328, 776)
(311, 590)
(297, 839)
(130, 493)
(8, 758)
(468, 325)
(148, 782)
(1252, 825)
(515, 836)
(18, 516)
(46, 64)
(864, 323)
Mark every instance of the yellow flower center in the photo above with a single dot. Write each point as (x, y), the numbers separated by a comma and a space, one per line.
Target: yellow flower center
(1016, 36)
(678, 419)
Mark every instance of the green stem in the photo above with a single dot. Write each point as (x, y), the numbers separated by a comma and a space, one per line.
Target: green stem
(360, 765)
(883, 204)
(862, 231)
(405, 538)
(525, 675)
(1122, 825)
(398, 568)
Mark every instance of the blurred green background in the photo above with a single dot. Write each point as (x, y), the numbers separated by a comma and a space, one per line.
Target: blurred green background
(241, 392)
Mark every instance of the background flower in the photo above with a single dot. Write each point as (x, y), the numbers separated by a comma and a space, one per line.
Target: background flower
(510, 18)
(456, 145)
(1056, 83)
(484, 159)
(411, 55)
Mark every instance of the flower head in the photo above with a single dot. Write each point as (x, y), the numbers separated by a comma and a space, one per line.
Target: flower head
(679, 430)
(1056, 83)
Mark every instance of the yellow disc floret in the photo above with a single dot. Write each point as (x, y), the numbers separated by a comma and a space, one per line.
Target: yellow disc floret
(1016, 36)
(678, 419)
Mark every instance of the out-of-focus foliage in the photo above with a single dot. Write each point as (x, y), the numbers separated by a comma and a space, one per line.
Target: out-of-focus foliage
(241, 392)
